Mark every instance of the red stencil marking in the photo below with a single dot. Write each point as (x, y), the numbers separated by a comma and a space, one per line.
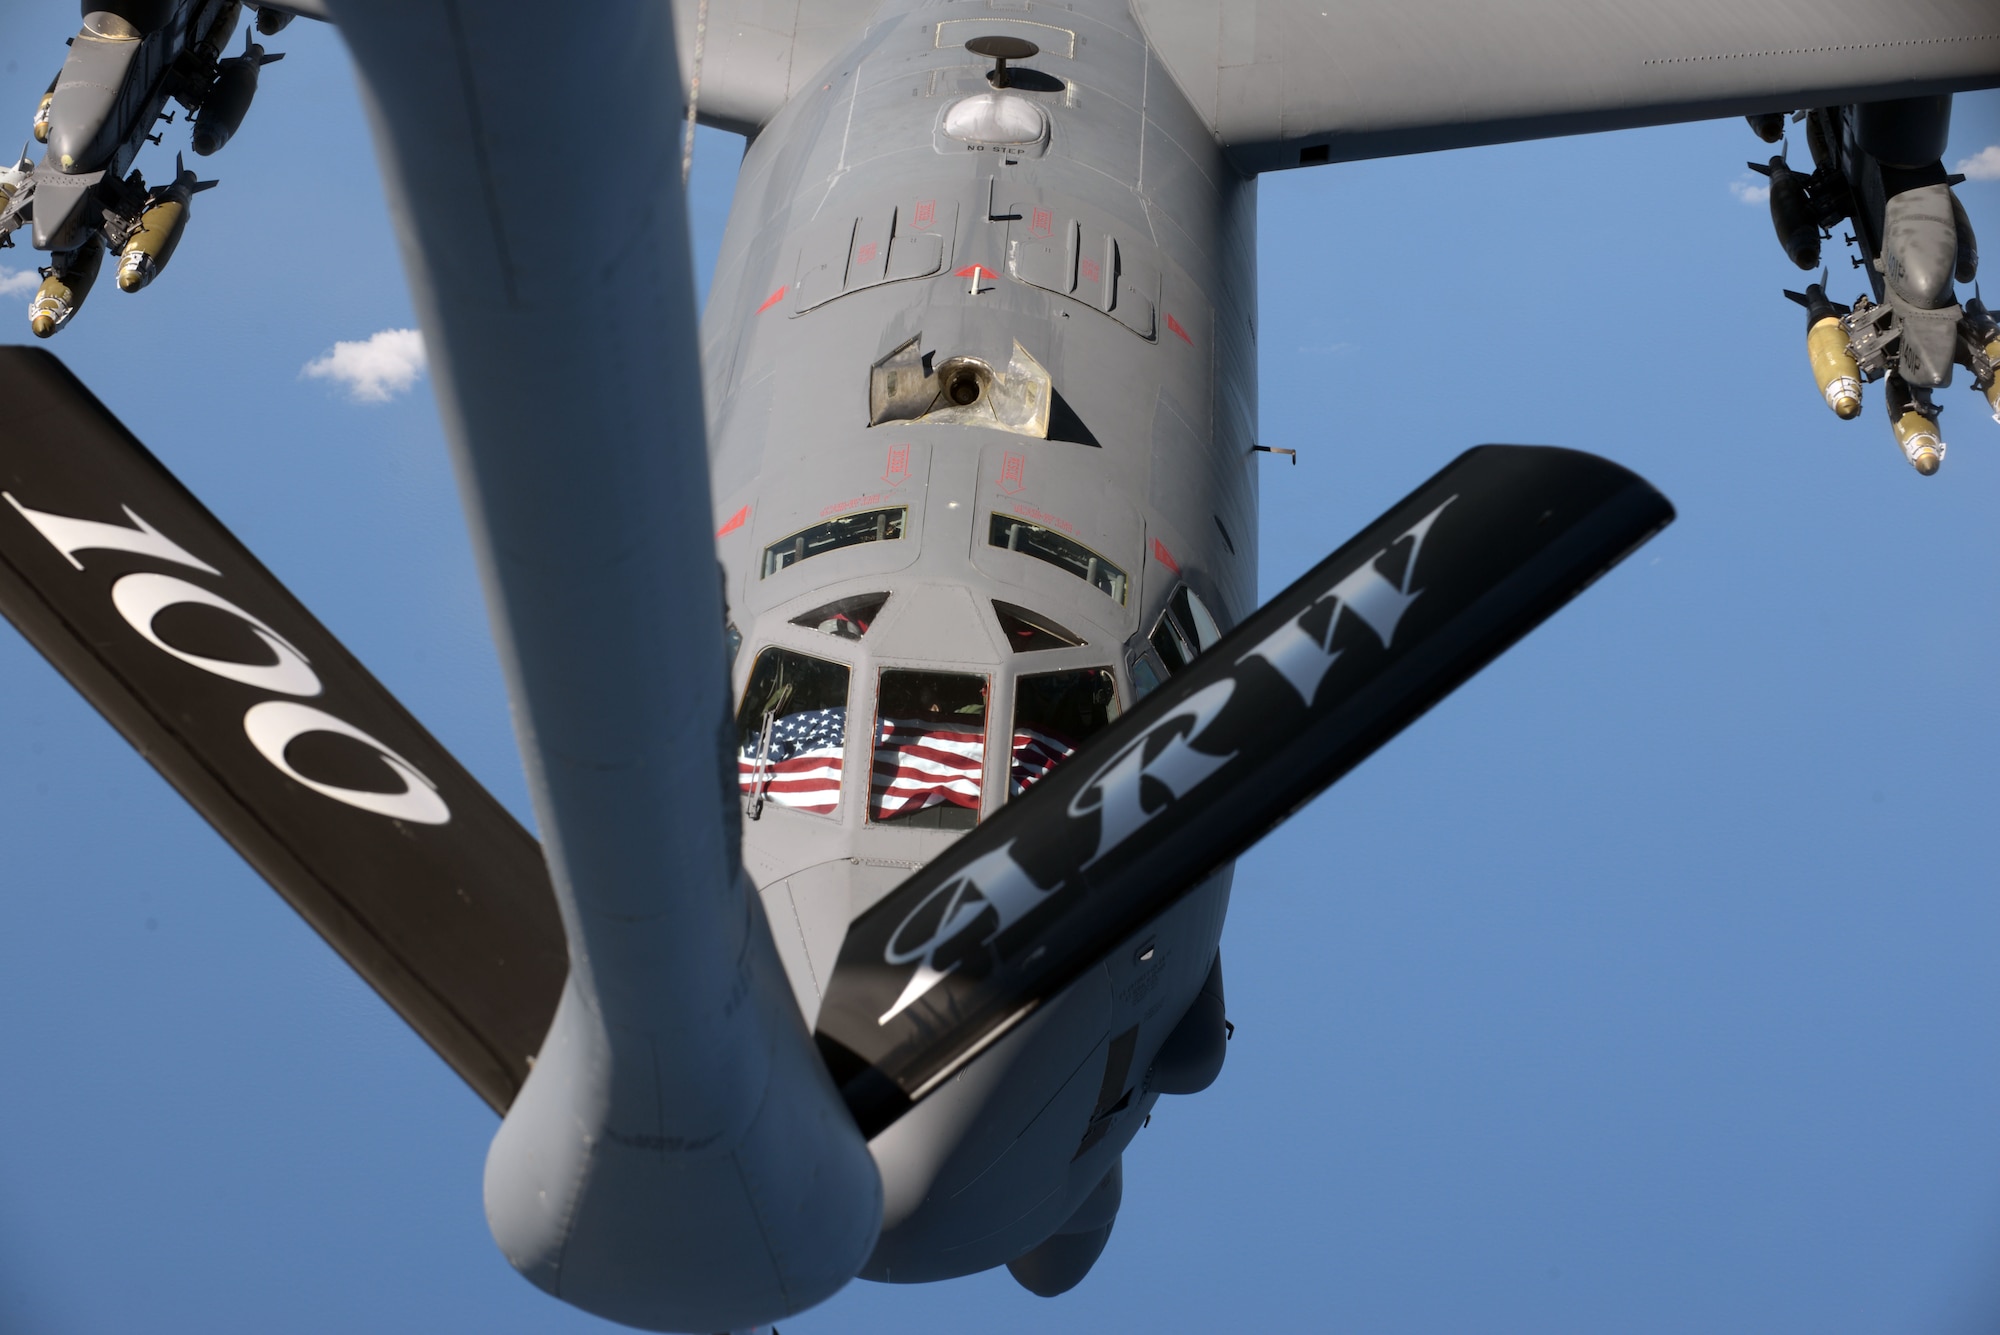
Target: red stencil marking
(772, 300)
(865, 255)
(1089, 270)
(897, 470)
(926, 213)
(1175, 326)
(1042, 222)
(1043, 518)
(1012, 470)
(735, 522)
(975, 271)
(1165, 557)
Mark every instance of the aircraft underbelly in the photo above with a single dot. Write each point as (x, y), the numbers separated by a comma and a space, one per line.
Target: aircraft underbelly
(1114, 258)
(1002, 1154)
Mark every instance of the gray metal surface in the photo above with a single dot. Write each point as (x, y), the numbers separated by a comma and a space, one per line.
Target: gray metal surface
(1163, 382)
(1367, 78)
(677, 1159)
(1273, 78)
(754, 56)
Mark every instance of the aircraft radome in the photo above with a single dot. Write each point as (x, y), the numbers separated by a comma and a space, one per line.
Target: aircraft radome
(847, 985)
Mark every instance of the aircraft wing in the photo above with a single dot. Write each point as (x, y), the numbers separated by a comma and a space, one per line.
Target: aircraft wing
(1285, 83)
(270, 728)
(751, 56)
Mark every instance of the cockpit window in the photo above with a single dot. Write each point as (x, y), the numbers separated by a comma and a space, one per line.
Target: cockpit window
(930, 749)
(1146, 676)
(846, 531)
(1054, 712)
(790, 733)
(1029, 631)
(849, 618)
(1045, 544)
(1184, 629)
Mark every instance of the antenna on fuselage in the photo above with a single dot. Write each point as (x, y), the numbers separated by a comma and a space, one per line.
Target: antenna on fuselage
(1000, 50)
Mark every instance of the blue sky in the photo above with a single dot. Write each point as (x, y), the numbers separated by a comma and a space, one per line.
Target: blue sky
(1649, 984)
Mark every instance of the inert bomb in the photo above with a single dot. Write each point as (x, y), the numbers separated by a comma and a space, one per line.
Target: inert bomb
(65, 284)
(221, 28)
(1833, 366)
(1792, 214)
(228, 98)
(161, 223)
(1915, 422)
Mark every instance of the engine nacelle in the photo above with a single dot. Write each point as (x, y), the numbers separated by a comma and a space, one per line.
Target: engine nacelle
(1920, 251)
(1907, 132)
(1967, 267)
(86, 114)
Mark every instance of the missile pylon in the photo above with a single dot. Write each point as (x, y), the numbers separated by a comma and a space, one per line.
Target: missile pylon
(65, 284)
(1833, 365)
(161, 224)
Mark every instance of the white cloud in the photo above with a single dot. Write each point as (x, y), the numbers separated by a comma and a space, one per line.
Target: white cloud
(1983, 165)
(376, 369)
(20, 284)
(1751, 192)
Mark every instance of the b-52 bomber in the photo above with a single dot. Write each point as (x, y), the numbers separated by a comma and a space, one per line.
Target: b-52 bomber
(83, 200)
(885, 654)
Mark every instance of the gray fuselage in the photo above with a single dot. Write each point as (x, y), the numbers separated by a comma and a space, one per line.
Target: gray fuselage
(1117, 250)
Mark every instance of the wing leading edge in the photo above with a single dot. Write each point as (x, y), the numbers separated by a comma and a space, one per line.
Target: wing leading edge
(1289, 82)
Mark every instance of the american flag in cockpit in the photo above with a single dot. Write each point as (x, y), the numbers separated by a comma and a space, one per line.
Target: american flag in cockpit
(801, 767)
(1035, 754)
(925, 763)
